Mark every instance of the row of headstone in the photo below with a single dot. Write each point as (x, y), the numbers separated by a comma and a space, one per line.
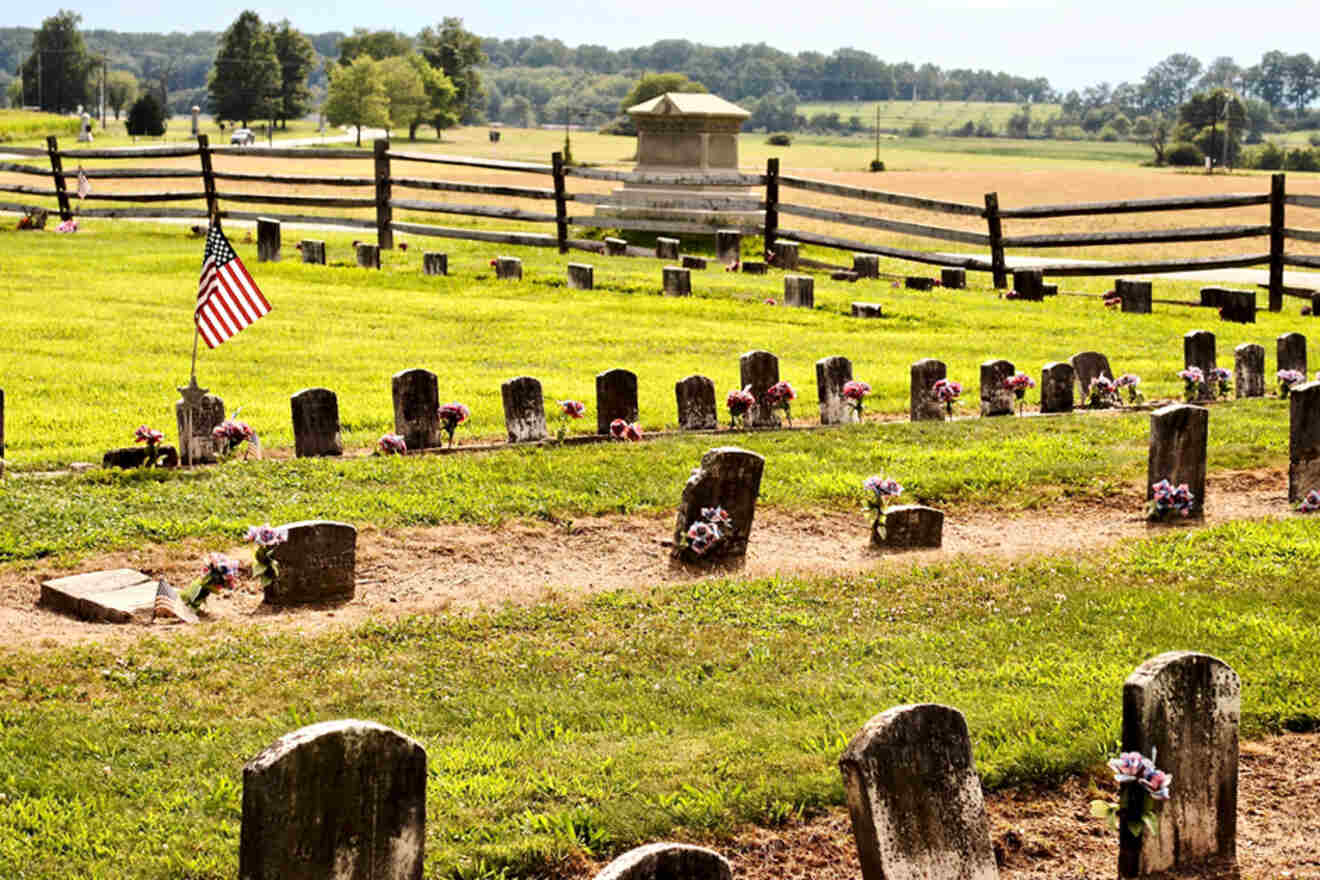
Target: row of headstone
(1249, 377)
(1056, 385)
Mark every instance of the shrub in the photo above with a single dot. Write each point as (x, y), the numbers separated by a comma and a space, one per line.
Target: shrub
(146, 116)
(967, 129)
(877, 165)
(1315, 140)
(1184, 154)
(918, 130)
(779, 139)
(1301, 160)
(1269, 158)
(1108, 134)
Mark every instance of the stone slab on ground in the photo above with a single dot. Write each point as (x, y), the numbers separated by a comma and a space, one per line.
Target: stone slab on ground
(118, 595)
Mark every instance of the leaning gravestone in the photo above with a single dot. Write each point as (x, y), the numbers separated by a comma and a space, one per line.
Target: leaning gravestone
(129, 457)
(953, 279)
(120, 595)
(753, 267)
(339, 800)
(616, 398)
(867, 310)
(581, 276)
(416, 396)
(1303, 440)
(508, 268)
(667, 861)
(1184, 708)
(696, 404)
(919, 282)
(316, 423)
(1199, 351)
(1291, 350)
(800, 291)
(368, 255)
(1249, 370)
(1056, 387)
(757, 371)
(996, 400)
(1088, 365)
(728, 245)
(1134, 296)
(435, 263)
(317, 563)
(786, 255)
(666, 248)
(1029, 284)
(910, 526)
(923, 407)
(730, 478)
(268, 240)
(524, 410)
(206, 414)
(312, 251)
(866, 265)
(832, 373)
(677, 281)
(1178, 436)
(691, 262)
(914, 797)
(1238, 306)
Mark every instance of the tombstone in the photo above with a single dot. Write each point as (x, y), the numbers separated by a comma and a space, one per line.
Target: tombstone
(1029, 283)
(667, 861)
(1212, 297)
(786, 255)
(1291, 350)
(1303, 440)
(616, 398)
(996, 400)
(368, 255)
(1049, 290)
(690, 262)
(316, 564)
(911, 526)
(129, 457)
(728, 245)
(923, 407)
(757, 371)
(1315, 305)
(493, 136)
(843, 275)
(85, 128)
(915, 799)
(832, 373)
(1249, 370)
(1056, 387)
(416, 408)
(730, 478)
(508, 268)
(867, 310)
(1199, 351)
(312, 251)
(918, 282)
(866, 265)
(666, 248)
(435, 263)
(196, 112)
(753, 267)
(677, 281)
(36, 217)
(1134, 296)
(1088, 365)
(268, 240)
(1178, 436)
(616, 247)
(1238, 306)
(316, 423)
(581, 276)
(524, 410)
(207, 413)
(1185, 708)
(120, 595)
(2, 424)
(697, 410)
(340, 799)
(800, 291)
(953, 279)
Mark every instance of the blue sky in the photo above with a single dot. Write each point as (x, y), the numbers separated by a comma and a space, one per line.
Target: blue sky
(1074, 44)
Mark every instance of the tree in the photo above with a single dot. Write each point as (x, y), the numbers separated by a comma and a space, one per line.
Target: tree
(245, 83)
(458, 53)
(1223, 71)
(1302, 80)
(55, 74)
(146, 116)
(407, 94)
(357, 95)
(1269, 79)
(1157, 135)
(297, 59)
(121, 88)
(1204, 119)
(375, 44)
(442, 110)
(1167, 83)
(653, 85)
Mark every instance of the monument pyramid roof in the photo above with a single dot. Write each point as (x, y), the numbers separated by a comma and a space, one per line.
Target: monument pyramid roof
(688, 104)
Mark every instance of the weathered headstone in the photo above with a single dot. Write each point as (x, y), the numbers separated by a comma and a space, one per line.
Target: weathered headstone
(508, 268)
(843, 275)
(923, 406)
(1212, 297)
(996, 400)
(729, 478)
(268, 240)
(1315, 305)
(616, 247)
(1049, 290)
(313, 251)
(368, 255)
(728, 246)
(1249, 370)
(129, 457)
(1184, 708)
(1291, 350)
(1088, 365)
(915, 799)
(677, 281)
(753, 267)
(909, 526)
(691, 262)
(697, 410)
(1056, 387)
(340, 799)
(1178, 436)
(1238, 306)
(524, 410)
(786, 255)
(616, 398)
(317, 563)
(800, 291)
(435, 263)
(866, 265)
(121, 595)
(953, 279)
(757, 371)
(832, 373)
(919, 282)
(667, 861)
(666, 248)
(867, 310)
(316, 423)
(1303, 440)
(581, 276)
(416, 394)
(207, 411)
(1029, 283)
(1199, 351)
(1134, 296)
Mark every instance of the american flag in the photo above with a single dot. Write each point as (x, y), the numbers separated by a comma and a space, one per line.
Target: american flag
(227, 298)
(170, 605)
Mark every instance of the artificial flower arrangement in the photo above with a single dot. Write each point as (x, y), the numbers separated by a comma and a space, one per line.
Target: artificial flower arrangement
(621, 429)
(739, 403)
(855, 393)
(947, 393)
(391, 444)
(709, 532)
(1152, 786)
(569, 411)
(879, 490)
(1167, 499)
(781, 396)
(264, 566)
(152, 438)
(451, 416)
(220, 571)
(1019, 383)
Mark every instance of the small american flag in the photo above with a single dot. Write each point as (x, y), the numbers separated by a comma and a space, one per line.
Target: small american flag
(227, 298)
(84, 186)
(170, 605)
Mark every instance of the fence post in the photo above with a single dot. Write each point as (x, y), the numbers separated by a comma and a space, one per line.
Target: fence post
(996, 240)
(1276, 241)
(208, 180)
(384, 211)
(57, 172)
(771, 204)
(561, 203)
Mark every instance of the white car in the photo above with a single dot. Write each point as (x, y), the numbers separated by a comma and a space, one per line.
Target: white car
(243, 137)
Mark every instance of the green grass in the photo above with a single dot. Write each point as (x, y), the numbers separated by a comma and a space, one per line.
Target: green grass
(32, 129)
(640, 715)
(17, 126)
(939, 115)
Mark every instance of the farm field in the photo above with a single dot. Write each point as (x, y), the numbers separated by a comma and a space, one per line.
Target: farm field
(939, 115)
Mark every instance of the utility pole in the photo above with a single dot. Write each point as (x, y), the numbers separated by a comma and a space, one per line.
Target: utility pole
(41, 91)
(103, 93)
(877, 131)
